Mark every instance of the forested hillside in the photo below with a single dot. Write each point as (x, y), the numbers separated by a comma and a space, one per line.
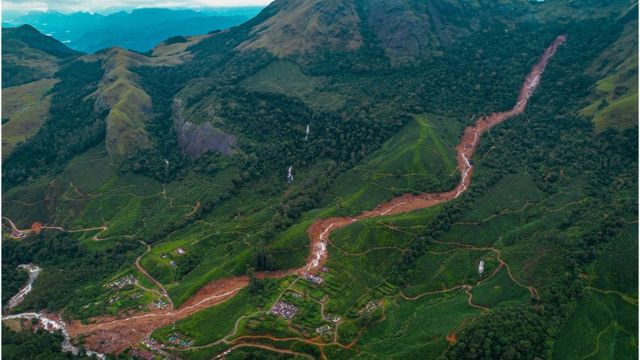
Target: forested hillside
(188, 185)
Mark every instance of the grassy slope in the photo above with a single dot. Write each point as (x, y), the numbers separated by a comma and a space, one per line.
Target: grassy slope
(420, 157)
(26, 107)
(615, 100)
(28, 55)
(282, 77)
(129, 106)
(221, 240)
(89, 192)
(447, 265)
(120, 92)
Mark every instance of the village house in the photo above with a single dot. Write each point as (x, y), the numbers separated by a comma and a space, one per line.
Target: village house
(371, 305)
(333, 318)
(324, 329)
(313, 279)
(179, 340)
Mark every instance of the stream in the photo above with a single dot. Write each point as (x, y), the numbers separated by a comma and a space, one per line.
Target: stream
(50, 323)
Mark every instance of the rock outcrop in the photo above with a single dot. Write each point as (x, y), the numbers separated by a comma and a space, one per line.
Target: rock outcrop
(196, 139)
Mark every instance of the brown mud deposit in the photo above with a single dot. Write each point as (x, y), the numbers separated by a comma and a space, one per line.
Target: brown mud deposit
(110, 335)
(319, 231)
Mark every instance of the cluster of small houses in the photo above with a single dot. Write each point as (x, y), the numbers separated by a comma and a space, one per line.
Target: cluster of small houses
(128, 280)
(284, 309)
(371, 305)
(121, 282)
(317, 280)
(159, 304)
(288, 311)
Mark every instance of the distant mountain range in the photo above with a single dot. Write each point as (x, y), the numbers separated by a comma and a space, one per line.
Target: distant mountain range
(138, 30)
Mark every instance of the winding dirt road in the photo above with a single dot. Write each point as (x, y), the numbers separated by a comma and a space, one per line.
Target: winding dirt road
(108, 335)
(20, 233)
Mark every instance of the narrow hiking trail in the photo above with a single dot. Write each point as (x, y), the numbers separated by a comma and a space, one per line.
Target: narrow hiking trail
(110, 334)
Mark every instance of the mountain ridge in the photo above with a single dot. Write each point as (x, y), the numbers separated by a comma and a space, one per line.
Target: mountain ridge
(29, 55)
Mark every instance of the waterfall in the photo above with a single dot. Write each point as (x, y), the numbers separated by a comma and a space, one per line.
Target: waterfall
(290, 174)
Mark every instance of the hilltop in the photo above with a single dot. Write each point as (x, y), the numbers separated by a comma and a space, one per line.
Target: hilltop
(28, 55)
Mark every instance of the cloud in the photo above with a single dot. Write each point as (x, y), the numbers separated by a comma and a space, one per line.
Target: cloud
(98, 5)
(24, 6)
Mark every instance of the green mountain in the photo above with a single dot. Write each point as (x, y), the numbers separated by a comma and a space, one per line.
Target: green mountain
(30, 61)
(28, 55)
(308, 184)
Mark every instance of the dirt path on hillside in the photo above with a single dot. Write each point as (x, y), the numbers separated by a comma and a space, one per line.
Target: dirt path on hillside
(109, 335)
(151, 278)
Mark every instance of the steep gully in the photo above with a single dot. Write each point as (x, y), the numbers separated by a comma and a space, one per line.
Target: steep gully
(110, 334)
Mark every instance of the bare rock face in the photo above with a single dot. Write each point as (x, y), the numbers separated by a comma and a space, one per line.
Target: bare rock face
(196, 139)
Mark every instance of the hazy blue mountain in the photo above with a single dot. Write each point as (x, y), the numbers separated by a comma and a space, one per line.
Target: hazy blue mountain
(139, 30)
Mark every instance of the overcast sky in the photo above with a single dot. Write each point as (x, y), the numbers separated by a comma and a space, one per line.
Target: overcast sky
(101, 5)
